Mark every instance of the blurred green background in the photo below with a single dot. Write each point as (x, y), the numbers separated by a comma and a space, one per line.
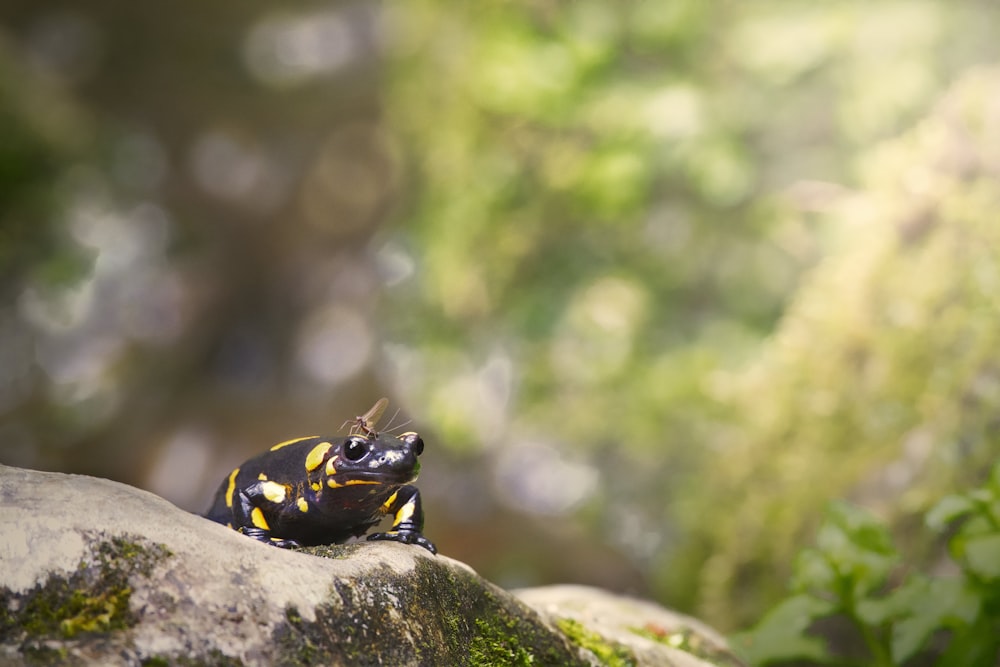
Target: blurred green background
(645, 275)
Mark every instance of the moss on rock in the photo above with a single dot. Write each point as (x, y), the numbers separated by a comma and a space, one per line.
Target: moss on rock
(463, 621)
(609, 653)
(92, 599)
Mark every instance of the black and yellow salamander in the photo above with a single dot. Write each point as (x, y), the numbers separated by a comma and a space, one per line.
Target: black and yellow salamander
(319, 490)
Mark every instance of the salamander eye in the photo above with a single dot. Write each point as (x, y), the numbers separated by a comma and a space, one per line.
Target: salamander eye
(415, 441)
(355, 449)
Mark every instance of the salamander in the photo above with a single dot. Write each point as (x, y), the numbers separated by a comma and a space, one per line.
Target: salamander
(324, 490)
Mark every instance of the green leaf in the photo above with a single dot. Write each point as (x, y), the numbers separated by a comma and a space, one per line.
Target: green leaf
(995, 479)
(858, 548)
(813, 572)
(933, 604)
(876, 611)
(781, 634)
(982, 556)
(957, 597)
(975, 646)
(911, 633)
(947, 510)
(853, 558)
(977, 525)
(860, 527)
(981, 496)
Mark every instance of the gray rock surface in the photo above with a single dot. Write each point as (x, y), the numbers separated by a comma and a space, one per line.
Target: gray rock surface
(97, 572)
(649, 633)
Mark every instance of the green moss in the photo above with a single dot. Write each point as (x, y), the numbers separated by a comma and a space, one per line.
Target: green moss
(60, 609)
(462, 620)
(495, 643)
(92, 599)
(296, 643)
(213, 658)
(334, 551)
(489, 640)
(42, 656)
(609, 653)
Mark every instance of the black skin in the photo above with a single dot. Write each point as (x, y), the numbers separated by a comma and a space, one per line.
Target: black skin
(345, 486)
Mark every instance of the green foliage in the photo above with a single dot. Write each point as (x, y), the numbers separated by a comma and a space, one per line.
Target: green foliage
(880, 383)
(854, 573)
(41, 133)
(556, 147)
(616, 206)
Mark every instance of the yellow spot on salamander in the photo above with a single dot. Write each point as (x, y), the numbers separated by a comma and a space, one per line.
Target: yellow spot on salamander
(257, 517)
(232, 487)
(274, 492)
(333, 484)
(262, 477)
(331, 467)
(388, 504)
(315, 456)
(302, 504)
(291, 442)
(316, 486)
(404, 514)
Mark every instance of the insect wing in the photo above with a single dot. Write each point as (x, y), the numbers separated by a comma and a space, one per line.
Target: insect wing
(368, 420)
(365, 424)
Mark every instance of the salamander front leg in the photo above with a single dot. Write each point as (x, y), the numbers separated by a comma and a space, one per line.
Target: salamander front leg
(249, 519)
(408, 519)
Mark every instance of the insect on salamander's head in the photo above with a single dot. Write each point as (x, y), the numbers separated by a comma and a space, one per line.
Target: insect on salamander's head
(378, 459)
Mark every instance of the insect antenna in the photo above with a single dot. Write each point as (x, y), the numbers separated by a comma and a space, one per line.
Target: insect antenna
(392, 419)
(392, 427)
(399, 426)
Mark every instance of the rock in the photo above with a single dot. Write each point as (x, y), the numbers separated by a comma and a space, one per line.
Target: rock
(97, 572)
(641, 632)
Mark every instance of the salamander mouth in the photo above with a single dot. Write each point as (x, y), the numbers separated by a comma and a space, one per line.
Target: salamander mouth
(372, 478)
